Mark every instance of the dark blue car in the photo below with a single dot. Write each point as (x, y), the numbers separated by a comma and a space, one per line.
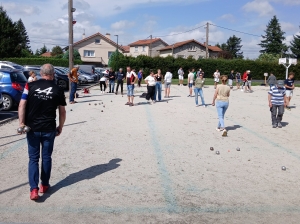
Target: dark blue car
(12, 83)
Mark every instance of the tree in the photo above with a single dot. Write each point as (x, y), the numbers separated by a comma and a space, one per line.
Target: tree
(114, 59)
(9, 43)
(233, 45)
(22, 35)
(268, 57)
(76, 55)
(295, 46)
(57, 50)
(43, 50)
(272, 42)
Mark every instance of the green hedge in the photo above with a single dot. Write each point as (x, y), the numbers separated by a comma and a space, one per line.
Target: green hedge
(209, 66)
(41, 61)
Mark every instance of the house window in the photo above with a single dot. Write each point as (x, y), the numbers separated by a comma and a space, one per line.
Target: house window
(192, 48)
(97, 41)
(110, 53)
(136, 49)
(89, 53)
(144, 48)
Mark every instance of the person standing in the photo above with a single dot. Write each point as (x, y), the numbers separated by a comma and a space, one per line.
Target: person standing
(216, 78)
(112, 79)
(277, 101)
(271, 80)
(290, 86)
(32, 76)
(168, 82)
(158, 86)
(37, 110)
(151, 82)
(120, 80)
(222, 94)
(199, 83)
(190, 82)
(73, 77)
(140, 77)
(249, 80)
(131, 78)
(103, 83)
(180, 76)
(245, 82)
(238, 80)
(230, 79)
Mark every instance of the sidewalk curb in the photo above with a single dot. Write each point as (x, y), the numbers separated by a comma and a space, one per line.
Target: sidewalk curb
(8, 120)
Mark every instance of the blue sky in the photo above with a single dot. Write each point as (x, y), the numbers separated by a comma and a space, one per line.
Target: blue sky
(46, 21)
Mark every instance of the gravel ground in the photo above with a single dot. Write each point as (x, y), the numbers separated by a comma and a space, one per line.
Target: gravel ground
(153, 164)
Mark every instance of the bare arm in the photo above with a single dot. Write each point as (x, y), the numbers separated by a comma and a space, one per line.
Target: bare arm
(21, 112)
(215, 97)
(285, 101)
(62, 119)
(269, 100)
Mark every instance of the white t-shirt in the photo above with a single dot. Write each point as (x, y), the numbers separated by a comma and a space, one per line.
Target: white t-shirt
(30, 79)
(168, 77)
(180, 72)
(151, 80)
(217, 75)
(103, 79)
(191, 77)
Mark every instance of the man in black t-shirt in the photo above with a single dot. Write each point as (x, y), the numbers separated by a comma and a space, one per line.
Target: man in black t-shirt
(112, 78)
(37, 110)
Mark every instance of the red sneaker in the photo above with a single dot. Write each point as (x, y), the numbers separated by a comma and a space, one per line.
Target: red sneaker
(34, 194)
(43, 189)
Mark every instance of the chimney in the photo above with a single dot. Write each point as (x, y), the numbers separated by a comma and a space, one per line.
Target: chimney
(107, 35)
(83, 35)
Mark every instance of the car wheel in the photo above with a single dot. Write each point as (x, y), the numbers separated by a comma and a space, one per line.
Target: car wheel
(7, 102)
(62, 84)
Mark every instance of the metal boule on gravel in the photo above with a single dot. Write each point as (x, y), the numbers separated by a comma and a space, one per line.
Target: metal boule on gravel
(217, 152)
(20, 130)
(238, 149)
(283, 168)
(71, 110)
(211, 148)
(27, 129)
(101, 110)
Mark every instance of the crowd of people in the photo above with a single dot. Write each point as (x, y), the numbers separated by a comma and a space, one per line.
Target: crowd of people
(41, 98)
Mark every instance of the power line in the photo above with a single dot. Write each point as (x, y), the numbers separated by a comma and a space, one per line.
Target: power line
(182, 32)
(236, 30)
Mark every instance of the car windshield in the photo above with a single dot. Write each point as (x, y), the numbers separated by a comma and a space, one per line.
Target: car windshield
(17, 77)
(18, 67)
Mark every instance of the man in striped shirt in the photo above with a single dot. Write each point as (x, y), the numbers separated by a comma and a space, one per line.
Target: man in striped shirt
(277, 102)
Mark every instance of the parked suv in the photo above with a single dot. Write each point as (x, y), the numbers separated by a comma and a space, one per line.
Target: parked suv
(1, 100)
(12, 83)
(10, 65)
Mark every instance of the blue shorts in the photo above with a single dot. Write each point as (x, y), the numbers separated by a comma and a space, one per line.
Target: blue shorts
(190, 85)
(130, 89)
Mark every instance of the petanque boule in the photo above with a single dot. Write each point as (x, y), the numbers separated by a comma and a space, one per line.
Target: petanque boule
(238, 149)
(20, 130)
(71, 110)
(211, 148)
(101, 110)
(283, 168)
(217, 152)
(26, 129)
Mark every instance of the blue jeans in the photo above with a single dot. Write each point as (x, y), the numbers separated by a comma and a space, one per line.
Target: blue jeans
(198, 91)
(111, 86)
(158, 88)
(73, 91)
(222, 106)
(35, 140)
(130, 89)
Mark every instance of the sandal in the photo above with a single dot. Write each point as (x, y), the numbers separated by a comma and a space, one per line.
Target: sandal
(71, 102)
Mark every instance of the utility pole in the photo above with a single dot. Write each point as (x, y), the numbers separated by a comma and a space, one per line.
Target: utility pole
(207, 36)
(71, 58)
(150, 50)
(117, 51)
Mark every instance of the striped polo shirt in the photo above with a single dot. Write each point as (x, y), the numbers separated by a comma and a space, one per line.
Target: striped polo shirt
(277, 95)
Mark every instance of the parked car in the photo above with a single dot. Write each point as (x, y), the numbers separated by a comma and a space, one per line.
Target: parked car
(88, 68)
(10, 65)
(1, 100)
(12, 84)
(62, 79)
(82, 78)
(93, 76)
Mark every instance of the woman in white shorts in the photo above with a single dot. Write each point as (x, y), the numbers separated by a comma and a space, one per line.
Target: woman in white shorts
(168, 82)
(216, 78)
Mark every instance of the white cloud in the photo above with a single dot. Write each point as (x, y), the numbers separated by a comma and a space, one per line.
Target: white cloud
(286, 27)
(20, 9)
(122, 25)
(262, 7)
(228, 17)
(288, 2)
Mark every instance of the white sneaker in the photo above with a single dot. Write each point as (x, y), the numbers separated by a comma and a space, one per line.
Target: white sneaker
(197, 105)
(204, 106)
(242, 90)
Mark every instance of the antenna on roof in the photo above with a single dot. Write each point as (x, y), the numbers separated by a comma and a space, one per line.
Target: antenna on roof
(83, 35)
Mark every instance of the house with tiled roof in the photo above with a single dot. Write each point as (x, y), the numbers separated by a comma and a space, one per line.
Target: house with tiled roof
(185, 49)
(148, 47)
(46, 54)
(97, 49)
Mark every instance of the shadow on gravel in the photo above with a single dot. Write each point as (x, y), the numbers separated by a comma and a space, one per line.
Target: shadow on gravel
(86, 101)
(13, 188)
(85, 174)
(234, 127)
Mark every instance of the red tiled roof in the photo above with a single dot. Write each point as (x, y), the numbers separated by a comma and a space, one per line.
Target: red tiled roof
(47, 54)
(214, 48)
(126, 49)
(102, 36)
(179, 44)
(147, 42)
